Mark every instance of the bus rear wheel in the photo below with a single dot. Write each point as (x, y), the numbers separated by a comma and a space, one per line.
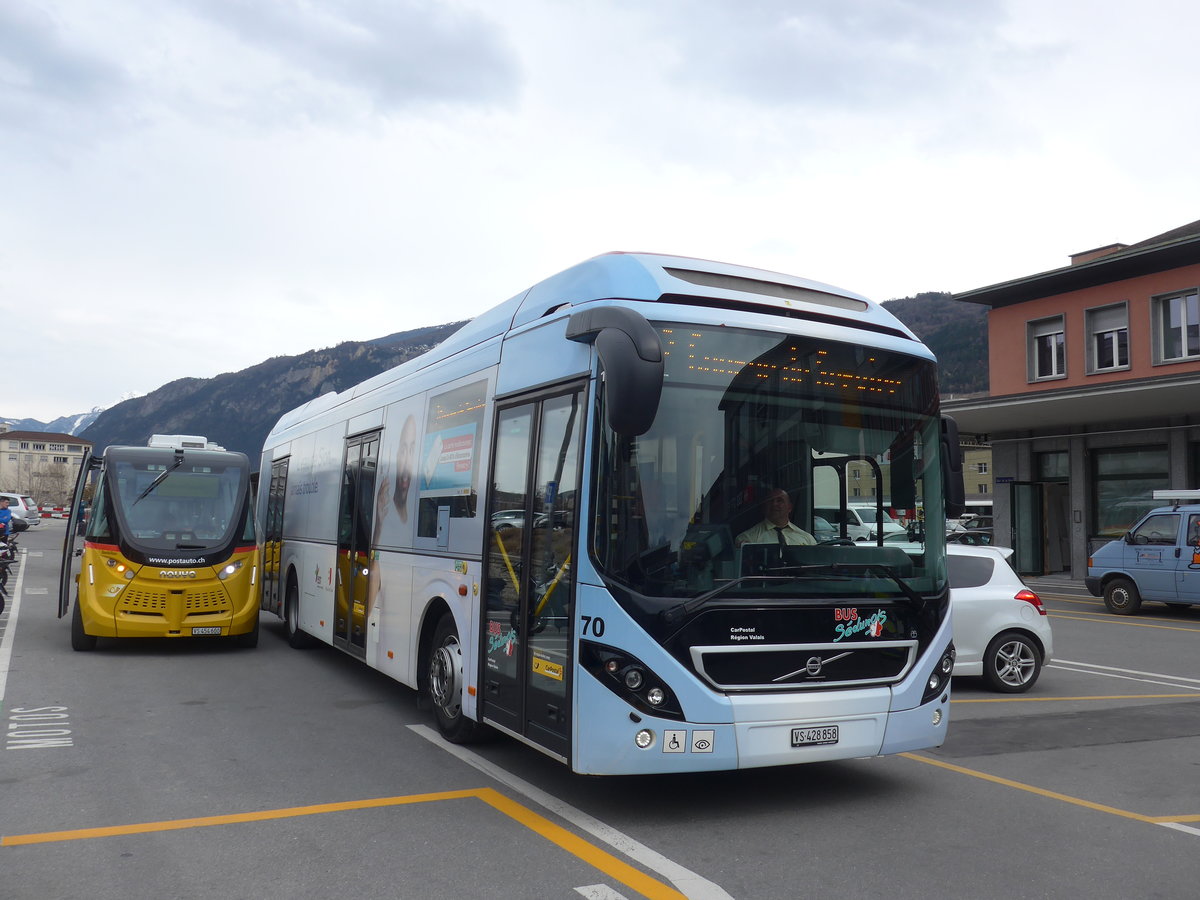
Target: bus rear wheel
(296, 637)
(80, 639)
(1121, 597)
(445, 683)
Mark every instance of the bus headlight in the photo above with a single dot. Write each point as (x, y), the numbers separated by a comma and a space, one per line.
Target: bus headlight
(939, 678)
(229, 570)
(630, 679)
(644, 739)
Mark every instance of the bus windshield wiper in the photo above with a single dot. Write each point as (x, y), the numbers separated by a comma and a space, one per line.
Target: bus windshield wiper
(159, 478)
(792, 573)
(915, 600)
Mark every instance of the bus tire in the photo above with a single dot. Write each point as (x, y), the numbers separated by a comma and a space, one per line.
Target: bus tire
(80, 639)
(445, 683)
(249, 640)
(1121, 597)
(296, 636)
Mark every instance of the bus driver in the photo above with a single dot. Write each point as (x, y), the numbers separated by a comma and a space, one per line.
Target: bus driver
(776, 524)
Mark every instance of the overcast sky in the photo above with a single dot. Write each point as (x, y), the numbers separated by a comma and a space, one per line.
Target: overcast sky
(189, 187)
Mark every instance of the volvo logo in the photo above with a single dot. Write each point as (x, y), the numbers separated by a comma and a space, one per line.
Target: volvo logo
(177, 573)
(812, 668)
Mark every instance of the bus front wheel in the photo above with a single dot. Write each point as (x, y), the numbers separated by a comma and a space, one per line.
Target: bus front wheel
(445, 683)
(1121, 597)
(80, 639)
(249, 640)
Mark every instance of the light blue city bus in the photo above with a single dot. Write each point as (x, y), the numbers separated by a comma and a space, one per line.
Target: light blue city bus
(550, 525)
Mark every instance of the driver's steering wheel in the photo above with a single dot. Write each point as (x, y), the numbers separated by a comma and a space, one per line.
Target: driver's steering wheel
(836, 542)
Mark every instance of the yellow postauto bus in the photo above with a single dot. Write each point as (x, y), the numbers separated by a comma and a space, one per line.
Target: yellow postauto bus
(168, 545)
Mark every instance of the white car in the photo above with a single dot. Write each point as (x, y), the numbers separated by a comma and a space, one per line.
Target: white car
(1001, 630)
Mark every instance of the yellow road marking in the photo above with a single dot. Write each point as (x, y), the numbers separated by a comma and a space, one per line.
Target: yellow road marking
(1053, 795)
(576, 846)
(1121, 620)
(1041, 792)
(1192, 696)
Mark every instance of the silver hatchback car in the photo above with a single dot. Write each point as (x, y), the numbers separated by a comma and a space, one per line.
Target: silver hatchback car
(25, 513)
(1001, 630)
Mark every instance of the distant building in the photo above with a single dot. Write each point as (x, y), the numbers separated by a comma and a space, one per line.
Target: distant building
(1094, 371)
(42, 464)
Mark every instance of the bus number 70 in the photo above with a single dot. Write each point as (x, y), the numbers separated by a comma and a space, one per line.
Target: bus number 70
(594, 625)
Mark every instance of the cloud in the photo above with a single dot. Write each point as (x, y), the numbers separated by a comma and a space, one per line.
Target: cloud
(47, 79)
(396, 54)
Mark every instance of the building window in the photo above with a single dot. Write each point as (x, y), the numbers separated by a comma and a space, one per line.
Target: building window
(981, 489)
(1177, 327)
(61, 459)
(1047, 350)
(1123, 485)
(1108, 338)
(983, 468)
(1052, 466)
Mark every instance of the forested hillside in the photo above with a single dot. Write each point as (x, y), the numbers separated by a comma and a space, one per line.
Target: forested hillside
(957, 334)
(237, 409)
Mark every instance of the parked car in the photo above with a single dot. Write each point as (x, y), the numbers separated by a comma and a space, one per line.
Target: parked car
(978, 538)
(867, 515)
(823, 531)
(1001, 630)
(508, 518)
(1157, 559)
(860, 521)
(971, 523)
(25, 513)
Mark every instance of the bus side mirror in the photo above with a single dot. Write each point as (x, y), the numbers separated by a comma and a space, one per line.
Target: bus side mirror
(631, 357)
(952, 471)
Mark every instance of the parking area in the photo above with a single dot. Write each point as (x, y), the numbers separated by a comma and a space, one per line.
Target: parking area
(276, 772)
(1113, 724)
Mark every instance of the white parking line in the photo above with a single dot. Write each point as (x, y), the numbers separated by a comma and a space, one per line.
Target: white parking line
(10, 628)
(685, 880)
(1178, 681)
(1180, 827)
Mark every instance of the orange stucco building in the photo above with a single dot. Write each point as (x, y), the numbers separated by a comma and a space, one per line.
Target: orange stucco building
(1094, 375)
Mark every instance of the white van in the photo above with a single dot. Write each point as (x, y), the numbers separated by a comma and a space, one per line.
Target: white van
(860, 521)
(25, 513)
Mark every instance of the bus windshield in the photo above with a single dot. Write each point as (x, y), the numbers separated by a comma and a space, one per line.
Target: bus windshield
(681, 511)
(166, 502)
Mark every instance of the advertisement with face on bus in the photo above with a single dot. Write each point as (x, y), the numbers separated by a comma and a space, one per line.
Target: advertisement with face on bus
(587, 521)
(167, 548)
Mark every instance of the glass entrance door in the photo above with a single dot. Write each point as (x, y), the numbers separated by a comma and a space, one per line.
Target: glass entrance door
(1028, 534)
(356, 514)
(529, 590)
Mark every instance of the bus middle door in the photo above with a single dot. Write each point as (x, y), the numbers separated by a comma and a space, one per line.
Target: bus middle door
(529, 590)
(356, 516)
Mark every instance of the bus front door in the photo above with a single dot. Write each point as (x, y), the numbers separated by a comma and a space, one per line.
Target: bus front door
(529, 590)
(272, 591)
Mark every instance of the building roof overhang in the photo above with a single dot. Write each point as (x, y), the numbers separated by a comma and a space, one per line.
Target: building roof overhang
(1112, 406)
(1140, 259)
